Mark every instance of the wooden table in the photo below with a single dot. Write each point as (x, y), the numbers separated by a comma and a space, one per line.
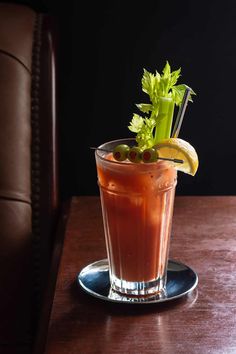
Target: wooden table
(204, 237)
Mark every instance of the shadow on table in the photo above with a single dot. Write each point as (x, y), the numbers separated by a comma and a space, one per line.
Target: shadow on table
(76, 312)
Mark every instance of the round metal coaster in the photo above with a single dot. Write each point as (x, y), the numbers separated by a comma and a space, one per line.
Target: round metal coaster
(94, 279)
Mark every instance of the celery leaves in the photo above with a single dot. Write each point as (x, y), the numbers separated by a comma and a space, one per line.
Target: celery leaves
(144, 129)
(158, 87)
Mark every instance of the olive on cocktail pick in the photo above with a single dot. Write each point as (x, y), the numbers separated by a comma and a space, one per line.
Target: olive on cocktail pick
(149, 155)
(134, 154)
(120, 152)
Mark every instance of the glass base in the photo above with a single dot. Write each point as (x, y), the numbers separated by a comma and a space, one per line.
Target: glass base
(94, 279)
(142, 288)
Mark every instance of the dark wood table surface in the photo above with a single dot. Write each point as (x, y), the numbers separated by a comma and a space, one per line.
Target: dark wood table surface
(203, 237)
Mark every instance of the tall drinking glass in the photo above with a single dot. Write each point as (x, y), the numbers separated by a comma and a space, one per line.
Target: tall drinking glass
(137, 205)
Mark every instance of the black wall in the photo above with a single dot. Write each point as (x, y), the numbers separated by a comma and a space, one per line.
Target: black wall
(101, 65)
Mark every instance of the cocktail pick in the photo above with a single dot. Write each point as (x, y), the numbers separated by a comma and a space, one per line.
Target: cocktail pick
(159, 158)
(181, 112)
(100, 149)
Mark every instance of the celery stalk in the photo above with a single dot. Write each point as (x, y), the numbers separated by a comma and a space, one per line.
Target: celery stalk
(164, 119)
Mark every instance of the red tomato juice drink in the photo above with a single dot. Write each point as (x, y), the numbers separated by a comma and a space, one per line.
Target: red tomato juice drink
(137, 205)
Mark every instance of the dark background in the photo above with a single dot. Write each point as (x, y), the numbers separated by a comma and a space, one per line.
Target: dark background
(104, 47)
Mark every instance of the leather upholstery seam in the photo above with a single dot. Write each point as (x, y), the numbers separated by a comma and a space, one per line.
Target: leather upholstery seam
(12, 56)
(11, 199)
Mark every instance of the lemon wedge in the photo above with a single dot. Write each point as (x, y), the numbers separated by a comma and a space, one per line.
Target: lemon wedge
(176, 148)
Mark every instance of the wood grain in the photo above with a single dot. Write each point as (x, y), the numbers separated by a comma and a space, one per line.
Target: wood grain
(203, 237)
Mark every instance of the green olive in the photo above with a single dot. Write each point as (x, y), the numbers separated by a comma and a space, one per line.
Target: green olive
(150, 155)
(120, 152)
(134, 154)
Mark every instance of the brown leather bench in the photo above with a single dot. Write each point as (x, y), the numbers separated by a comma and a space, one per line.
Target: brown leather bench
(28, 171)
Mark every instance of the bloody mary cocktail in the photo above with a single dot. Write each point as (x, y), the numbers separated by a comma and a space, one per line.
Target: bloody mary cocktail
(137, 204)
(137, 179)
